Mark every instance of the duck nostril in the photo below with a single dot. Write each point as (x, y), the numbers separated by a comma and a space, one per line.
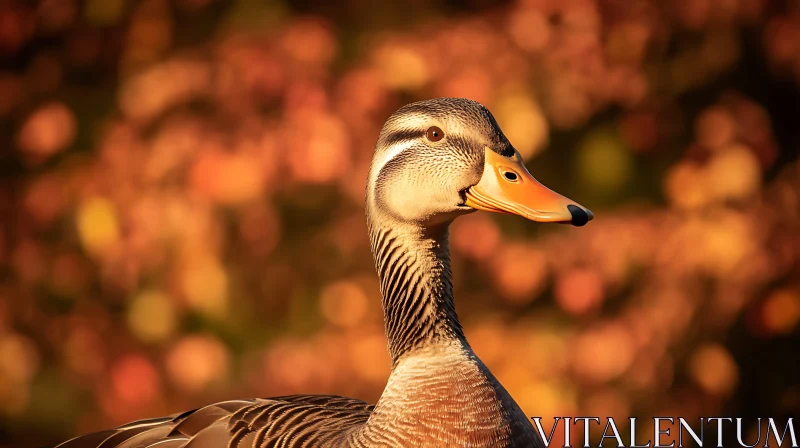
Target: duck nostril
(579, 215)
(510, 175)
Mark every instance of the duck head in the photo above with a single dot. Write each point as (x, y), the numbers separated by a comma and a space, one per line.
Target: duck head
(440, 158)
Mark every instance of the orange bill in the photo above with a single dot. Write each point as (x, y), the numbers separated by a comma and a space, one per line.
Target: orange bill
(508, 187)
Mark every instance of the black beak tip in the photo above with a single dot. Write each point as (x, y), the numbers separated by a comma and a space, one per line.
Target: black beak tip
(579, 216)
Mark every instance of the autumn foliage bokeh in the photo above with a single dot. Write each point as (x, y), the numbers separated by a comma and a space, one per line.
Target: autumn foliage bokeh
(181, 203)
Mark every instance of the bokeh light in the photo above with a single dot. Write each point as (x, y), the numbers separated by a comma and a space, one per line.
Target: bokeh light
(182, 187)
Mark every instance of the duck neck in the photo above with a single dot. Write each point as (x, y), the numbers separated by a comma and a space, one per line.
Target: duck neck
(413, 265)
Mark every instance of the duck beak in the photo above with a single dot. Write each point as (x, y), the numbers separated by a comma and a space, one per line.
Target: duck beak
(507, 187)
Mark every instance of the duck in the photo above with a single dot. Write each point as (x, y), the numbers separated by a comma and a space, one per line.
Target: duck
(434, 161)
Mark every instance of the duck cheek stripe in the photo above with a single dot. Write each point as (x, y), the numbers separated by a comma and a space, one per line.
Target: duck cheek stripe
(401, 136)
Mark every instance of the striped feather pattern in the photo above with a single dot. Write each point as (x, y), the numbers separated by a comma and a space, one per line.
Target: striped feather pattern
(416, 288)
(292, 421)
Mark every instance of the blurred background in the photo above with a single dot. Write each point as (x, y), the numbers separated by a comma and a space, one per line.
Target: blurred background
(181, 203)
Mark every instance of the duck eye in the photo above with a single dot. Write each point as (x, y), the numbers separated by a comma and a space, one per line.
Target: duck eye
(510, 175)
(434, 134)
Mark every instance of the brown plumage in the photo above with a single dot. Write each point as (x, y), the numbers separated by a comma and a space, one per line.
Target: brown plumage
(295, 420)
(439, 393)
